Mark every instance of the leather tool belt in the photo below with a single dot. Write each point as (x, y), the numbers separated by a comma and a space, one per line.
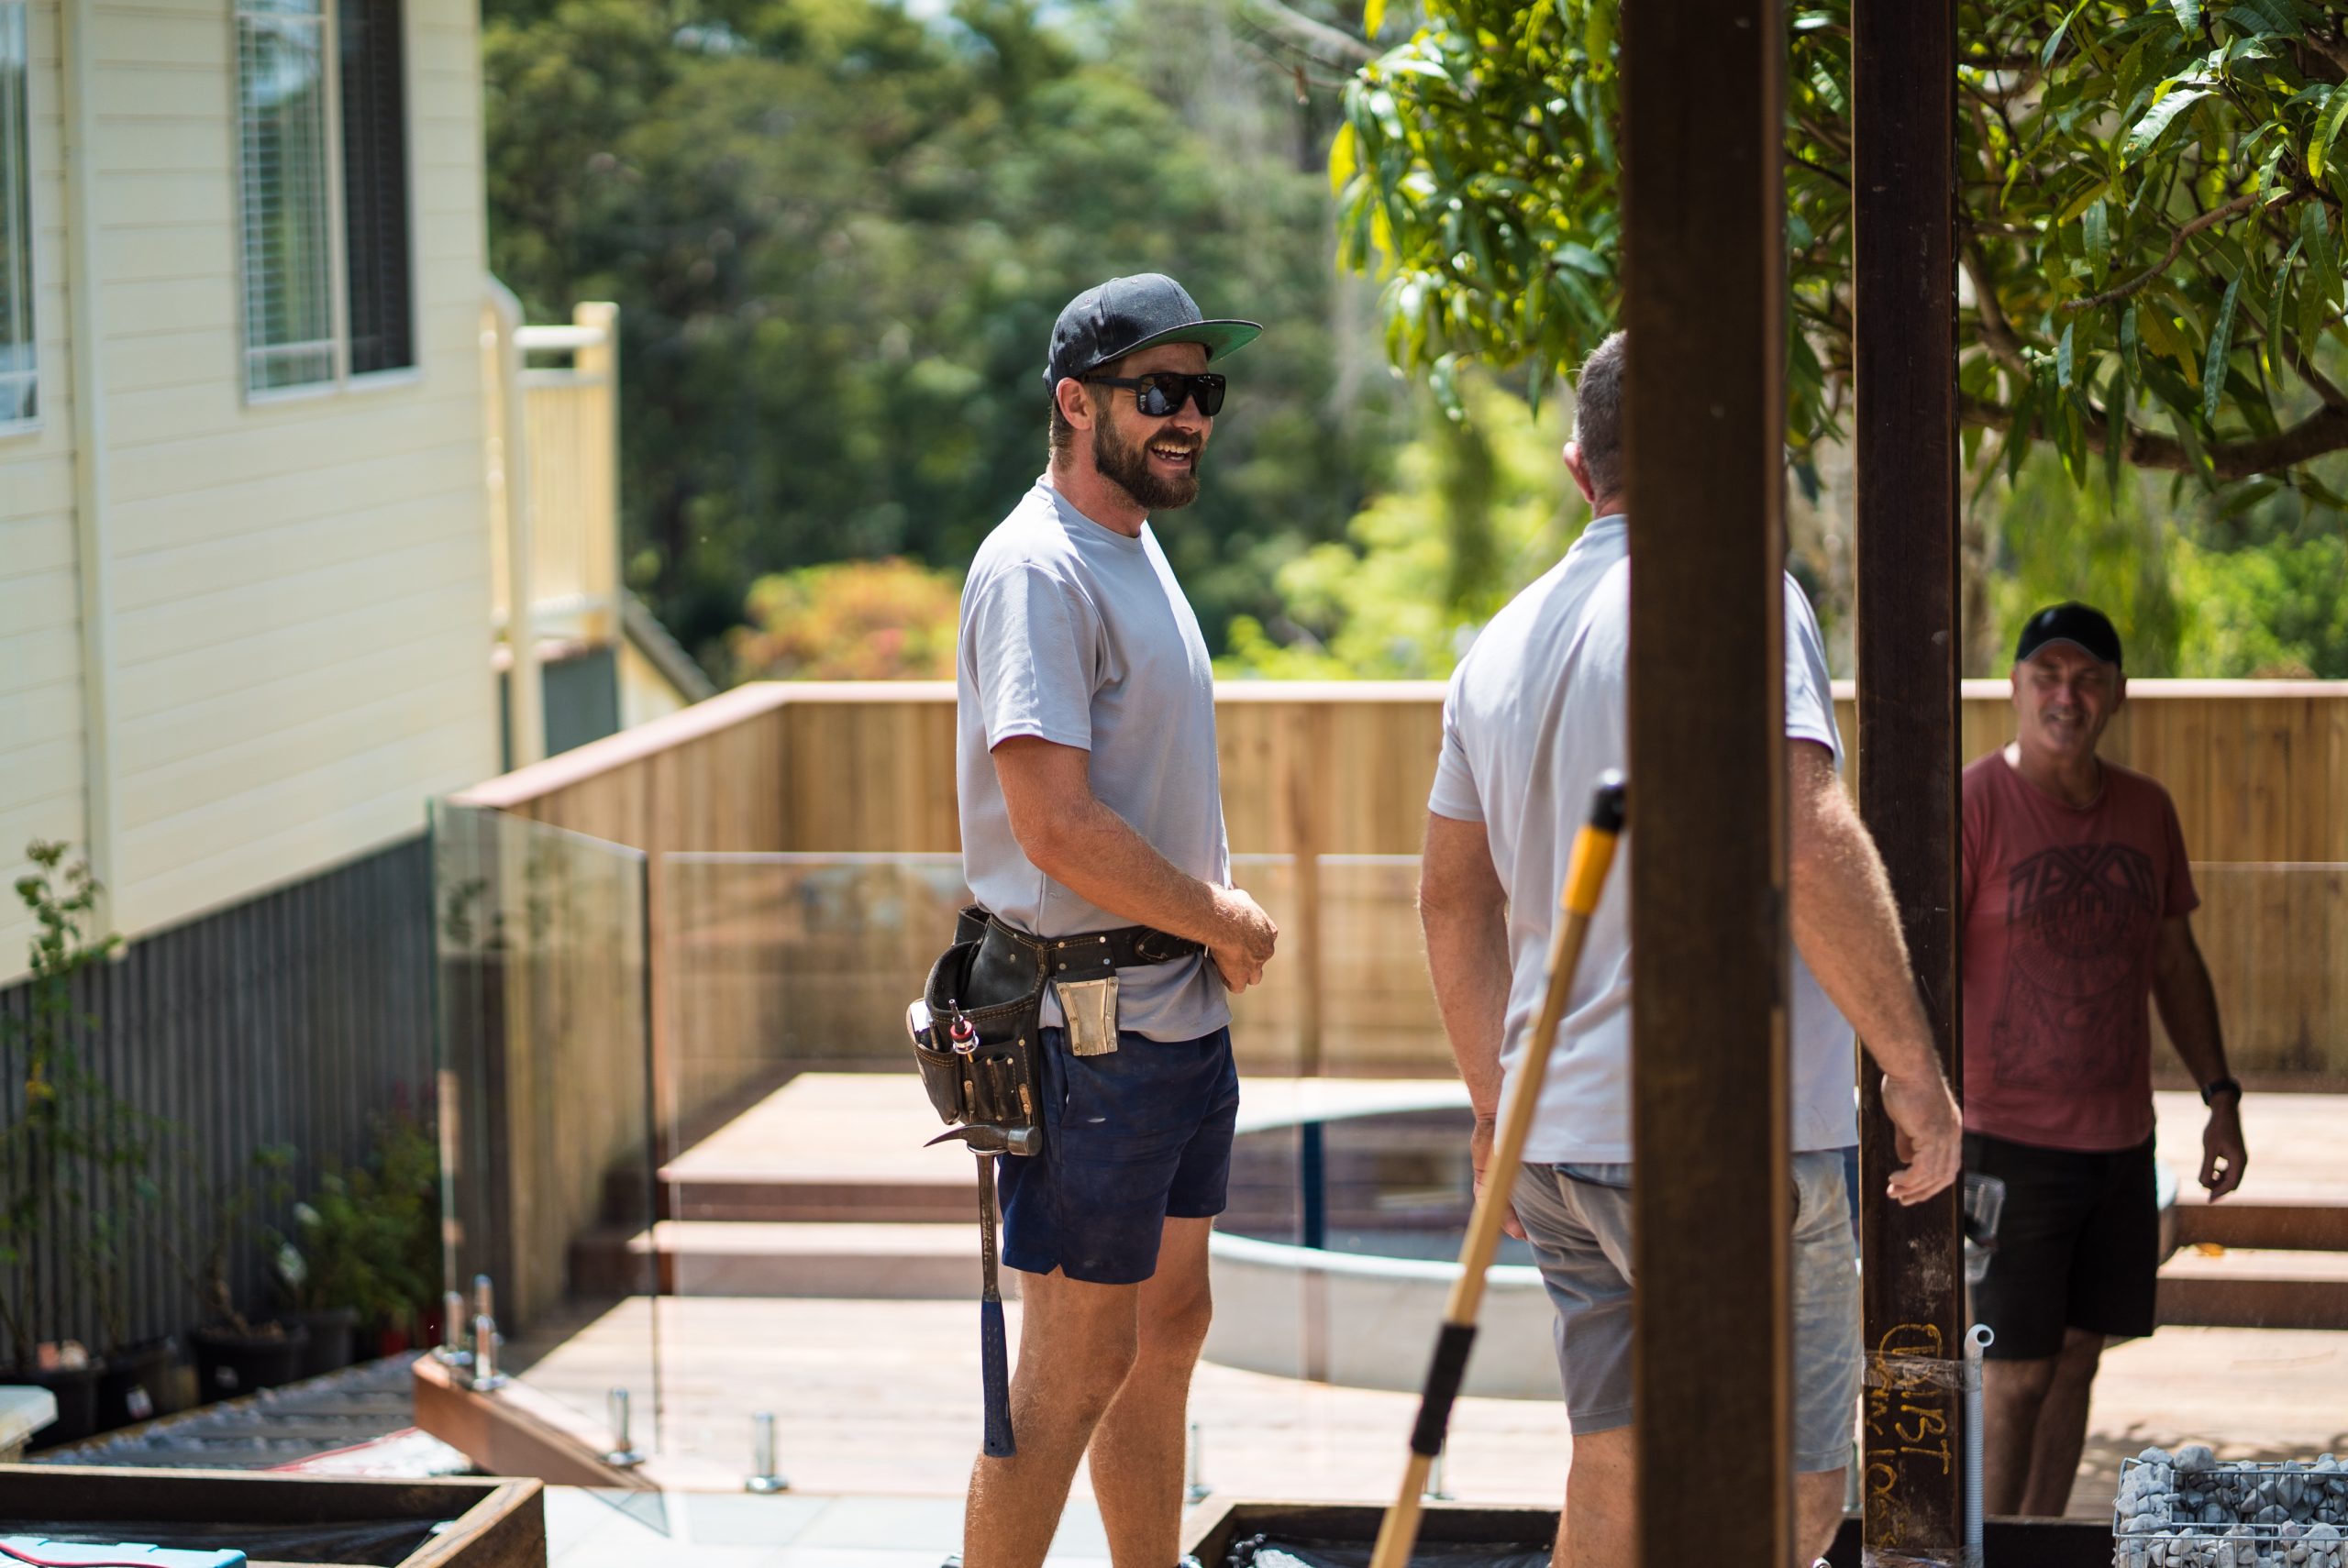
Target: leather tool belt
(992, 981)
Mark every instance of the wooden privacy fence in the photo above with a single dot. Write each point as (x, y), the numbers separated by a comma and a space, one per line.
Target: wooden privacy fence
(800, 842)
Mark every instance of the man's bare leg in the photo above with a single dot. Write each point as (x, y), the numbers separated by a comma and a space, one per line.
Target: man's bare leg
(1138, 1449)
(2012, 1394)
(1818, 1513)
(1077, 1342)
(1600, 1529)
(2062, 1431)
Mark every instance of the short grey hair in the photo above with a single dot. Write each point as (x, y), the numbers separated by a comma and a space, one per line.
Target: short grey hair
(1598, 413)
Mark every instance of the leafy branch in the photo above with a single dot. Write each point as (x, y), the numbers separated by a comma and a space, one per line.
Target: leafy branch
(2150, 198)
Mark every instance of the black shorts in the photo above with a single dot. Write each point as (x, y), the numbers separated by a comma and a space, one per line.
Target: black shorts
(2078, 1245)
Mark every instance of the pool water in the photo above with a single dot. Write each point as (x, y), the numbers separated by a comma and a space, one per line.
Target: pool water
(1392, 1184)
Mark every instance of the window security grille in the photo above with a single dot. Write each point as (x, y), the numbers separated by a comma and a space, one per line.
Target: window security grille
(20, 340)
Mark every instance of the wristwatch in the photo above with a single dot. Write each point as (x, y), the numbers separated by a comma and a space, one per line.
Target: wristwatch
(2216, 1087)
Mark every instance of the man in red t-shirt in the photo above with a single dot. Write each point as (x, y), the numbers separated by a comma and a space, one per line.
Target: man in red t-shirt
(2074, 897)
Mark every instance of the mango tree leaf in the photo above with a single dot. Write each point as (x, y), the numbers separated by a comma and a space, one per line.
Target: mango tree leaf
(2188, 15)
(1343, 164)
(2213, 369)
(2055, 40)
(2327, 129)
(2147, 132)
(1373, 16)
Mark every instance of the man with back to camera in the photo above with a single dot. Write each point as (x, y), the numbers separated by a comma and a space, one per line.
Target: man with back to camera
(1091, 799)
(1536, 711)
(2074, 895)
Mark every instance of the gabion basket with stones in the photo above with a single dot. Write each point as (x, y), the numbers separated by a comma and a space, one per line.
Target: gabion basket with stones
(2188, 1510)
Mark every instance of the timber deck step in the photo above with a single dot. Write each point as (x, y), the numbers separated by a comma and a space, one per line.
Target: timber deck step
(744, 1258)
(2254, 1288)
(2320, 1227)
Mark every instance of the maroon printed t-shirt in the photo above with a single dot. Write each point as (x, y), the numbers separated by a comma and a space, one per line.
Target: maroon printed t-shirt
(2062, 911)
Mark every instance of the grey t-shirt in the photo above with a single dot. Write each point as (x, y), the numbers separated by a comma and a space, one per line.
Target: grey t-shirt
(1075, 632)
(1536, 711)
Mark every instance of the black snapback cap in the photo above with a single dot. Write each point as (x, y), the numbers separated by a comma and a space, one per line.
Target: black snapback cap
(2079, 624)
(1126, 314)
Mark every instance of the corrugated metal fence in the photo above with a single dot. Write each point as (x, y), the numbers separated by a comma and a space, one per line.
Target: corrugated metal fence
(292, 1020)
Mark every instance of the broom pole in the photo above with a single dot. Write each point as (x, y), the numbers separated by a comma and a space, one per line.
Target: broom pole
(1593, 857)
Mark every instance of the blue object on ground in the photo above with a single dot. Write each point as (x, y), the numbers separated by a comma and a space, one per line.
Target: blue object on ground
(28, 1548)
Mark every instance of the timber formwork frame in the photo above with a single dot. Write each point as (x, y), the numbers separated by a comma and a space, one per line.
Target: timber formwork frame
(1704, 83)
(1704, 414)
(1903, 177)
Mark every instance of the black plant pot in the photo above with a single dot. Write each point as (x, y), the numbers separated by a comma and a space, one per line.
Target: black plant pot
(228, 1363)
(77, 1402)
(137, 1384)
(331, 1335)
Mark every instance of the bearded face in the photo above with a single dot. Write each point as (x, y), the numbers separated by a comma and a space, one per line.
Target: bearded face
(1155, 462)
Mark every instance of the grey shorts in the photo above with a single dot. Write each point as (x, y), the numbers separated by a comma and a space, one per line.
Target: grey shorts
(1579, 1218)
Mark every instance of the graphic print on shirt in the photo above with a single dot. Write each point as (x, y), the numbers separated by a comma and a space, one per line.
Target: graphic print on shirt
(2079, 923)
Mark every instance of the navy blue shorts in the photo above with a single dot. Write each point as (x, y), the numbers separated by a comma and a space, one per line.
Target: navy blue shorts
(1131, 1138)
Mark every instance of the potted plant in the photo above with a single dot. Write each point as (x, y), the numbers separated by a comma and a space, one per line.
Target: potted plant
(364, 1249)
(136, 1382)
(236, 1354)
(46, 1147)
(406, 1164)
(324, 1271)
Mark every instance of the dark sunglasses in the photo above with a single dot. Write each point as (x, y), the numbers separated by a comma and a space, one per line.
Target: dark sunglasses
(1163, 392)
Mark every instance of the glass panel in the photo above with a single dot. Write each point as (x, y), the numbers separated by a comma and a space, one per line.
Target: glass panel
(374, 185)
(546, 1111)
(282, 129)
(824, 1260)
(20, 378)
(2275, 935)
(1379, 1017)
(801, 1208)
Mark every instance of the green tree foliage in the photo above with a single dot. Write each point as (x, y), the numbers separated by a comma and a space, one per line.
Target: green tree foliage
(886, 620)
(1476, 511)
(840, 237)
(2150, 216)
(2264, 593)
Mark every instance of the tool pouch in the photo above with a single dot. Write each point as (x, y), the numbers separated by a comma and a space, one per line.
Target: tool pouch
(995, 1083)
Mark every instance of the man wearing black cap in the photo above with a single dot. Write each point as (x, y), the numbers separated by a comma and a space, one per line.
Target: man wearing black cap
(2076, 891)
(1091, 801)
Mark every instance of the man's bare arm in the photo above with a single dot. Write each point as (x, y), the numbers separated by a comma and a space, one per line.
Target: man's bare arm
(1848, 930)
(2188, 1007)
(1081, 844)
(2188, 1002)
(1464, 911)
(1465, 915)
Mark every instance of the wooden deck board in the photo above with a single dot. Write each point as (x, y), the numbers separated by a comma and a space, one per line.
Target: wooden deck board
(883, 1398)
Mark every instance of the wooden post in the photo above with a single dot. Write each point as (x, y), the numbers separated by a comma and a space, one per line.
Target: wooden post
(1705, 420)
(1905, 72)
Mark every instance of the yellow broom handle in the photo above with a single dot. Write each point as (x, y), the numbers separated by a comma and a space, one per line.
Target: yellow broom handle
(1592, 858)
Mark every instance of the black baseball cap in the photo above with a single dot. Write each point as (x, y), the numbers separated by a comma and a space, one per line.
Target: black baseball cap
(2079, 624)
(1126, 314)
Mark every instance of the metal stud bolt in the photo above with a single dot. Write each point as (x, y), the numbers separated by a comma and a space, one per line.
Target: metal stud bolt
(623, 1454)
(763, 1478)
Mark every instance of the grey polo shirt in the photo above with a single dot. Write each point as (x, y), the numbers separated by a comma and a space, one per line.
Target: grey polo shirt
(1536, 711)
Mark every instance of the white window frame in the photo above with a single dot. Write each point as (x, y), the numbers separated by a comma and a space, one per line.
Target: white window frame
(16, 206)
(341, 378)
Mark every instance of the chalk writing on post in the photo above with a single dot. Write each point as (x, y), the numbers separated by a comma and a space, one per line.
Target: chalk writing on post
(1908, 1422)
